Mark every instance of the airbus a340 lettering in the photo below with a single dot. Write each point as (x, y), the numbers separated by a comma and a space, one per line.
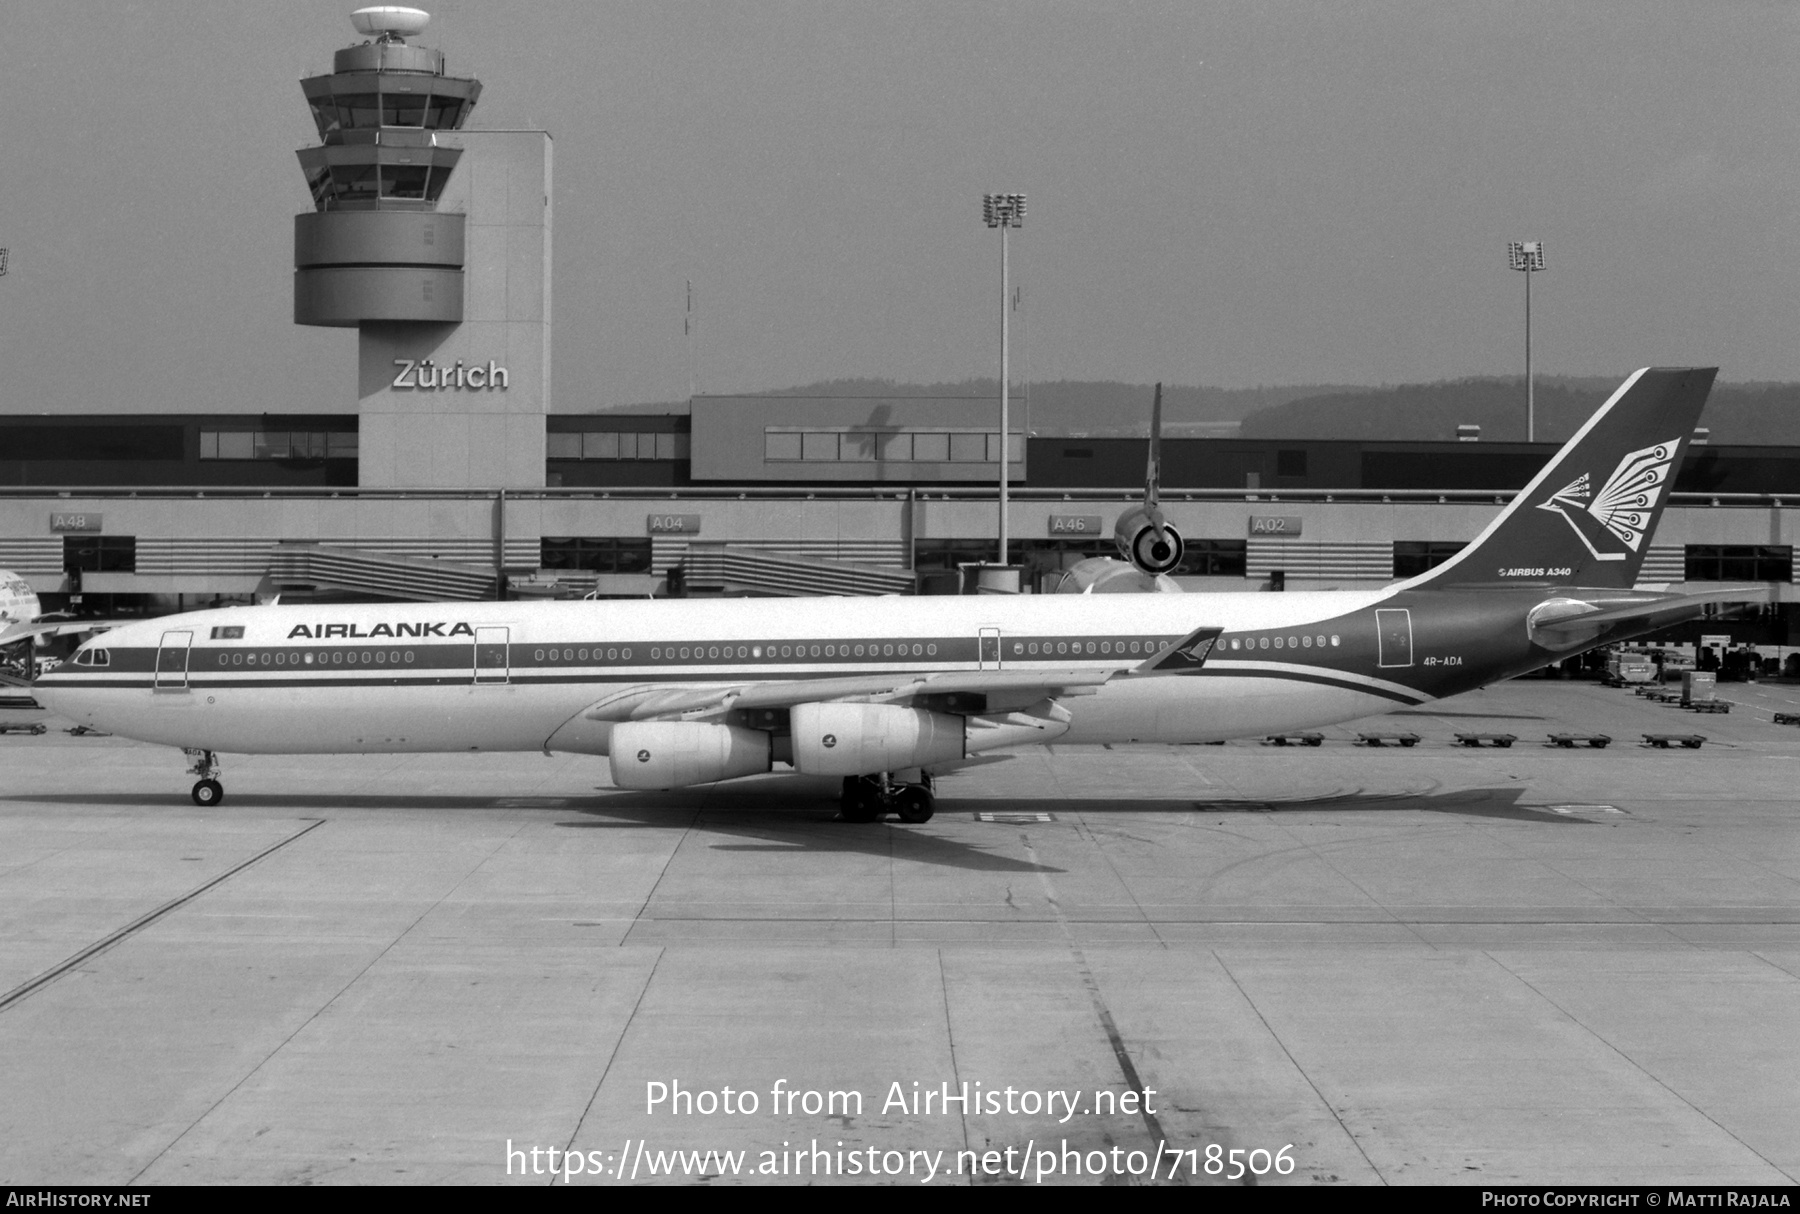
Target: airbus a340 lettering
(882, 691)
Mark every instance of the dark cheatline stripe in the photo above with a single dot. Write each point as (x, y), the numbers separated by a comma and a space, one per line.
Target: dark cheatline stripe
(755, 675)
(1324, 680)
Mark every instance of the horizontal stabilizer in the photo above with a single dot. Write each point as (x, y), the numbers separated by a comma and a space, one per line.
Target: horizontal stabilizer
(1664, 609)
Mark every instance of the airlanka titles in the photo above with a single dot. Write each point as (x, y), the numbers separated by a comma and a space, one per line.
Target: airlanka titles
(321, 632)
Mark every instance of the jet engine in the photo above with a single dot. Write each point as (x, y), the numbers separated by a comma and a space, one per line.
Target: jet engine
(860, 739)
(674, 754)
(1147, 541)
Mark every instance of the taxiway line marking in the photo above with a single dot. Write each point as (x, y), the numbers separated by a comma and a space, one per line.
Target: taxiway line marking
(32, 985)
(1635, 1065)
(1121, 1055)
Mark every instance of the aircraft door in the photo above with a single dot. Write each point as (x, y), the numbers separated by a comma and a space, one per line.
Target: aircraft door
(172, 661)
(492, 666)
(1393, 626)
(990, 649)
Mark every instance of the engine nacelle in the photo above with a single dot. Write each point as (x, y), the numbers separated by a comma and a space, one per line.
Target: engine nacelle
(860, 739)
(674, 754)
(1135, 534)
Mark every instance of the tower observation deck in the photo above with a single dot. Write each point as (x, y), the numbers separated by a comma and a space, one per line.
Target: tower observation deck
(376, 248)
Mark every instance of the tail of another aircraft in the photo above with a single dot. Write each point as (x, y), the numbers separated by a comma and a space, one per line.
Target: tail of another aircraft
(1143, 535)
(1587, 518)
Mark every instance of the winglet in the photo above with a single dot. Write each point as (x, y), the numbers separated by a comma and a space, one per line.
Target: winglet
(1185, 656)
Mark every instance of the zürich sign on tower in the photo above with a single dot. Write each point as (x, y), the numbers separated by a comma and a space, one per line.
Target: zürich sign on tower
(424, 373)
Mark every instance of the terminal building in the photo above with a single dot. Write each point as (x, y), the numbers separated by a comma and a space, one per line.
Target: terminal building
(454, 477)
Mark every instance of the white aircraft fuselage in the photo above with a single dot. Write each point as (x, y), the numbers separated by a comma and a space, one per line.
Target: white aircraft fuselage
(681, 692)
(18, 601)
(323, 679)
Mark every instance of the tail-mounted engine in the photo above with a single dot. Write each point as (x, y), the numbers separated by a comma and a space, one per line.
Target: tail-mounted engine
(1150, 544)
(1143, 537)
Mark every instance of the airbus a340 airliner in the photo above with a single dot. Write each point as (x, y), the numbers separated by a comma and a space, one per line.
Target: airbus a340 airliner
(882, 691)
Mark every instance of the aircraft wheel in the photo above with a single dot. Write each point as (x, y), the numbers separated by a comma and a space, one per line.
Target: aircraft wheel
(208, 793)
(916, 804)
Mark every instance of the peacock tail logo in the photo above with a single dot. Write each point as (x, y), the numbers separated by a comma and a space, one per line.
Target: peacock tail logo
(1623, 508)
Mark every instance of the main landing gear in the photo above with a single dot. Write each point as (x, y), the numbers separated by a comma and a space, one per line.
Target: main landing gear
(870, 798)
(208, 792)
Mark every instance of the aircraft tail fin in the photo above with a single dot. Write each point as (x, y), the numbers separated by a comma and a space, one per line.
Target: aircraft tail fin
(1587, 518)
(1144, 537)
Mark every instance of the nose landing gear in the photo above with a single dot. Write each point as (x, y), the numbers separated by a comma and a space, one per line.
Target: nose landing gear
(207, 792)
(871, 798)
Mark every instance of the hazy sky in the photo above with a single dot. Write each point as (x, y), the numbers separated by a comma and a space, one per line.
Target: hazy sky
(1224, 194)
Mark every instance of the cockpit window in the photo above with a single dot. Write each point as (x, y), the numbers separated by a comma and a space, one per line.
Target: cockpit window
(93, 657)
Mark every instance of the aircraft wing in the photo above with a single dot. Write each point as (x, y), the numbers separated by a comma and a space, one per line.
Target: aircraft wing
(650, 701)
(1012, 688)
(45, 629)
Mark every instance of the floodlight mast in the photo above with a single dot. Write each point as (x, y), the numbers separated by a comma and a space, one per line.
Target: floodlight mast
(1004, 211)
(1528, 256)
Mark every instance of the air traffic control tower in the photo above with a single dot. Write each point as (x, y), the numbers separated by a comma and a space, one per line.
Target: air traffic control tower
(433, 242)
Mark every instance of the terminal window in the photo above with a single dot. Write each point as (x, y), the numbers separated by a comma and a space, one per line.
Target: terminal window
(886, 446)
(1413, 557)
(278, 444)
(945, 556)
(1213, 558)
(597, 553)
(435, 111)
(1739, 563)
(1042, 557)
(100, 553)
(614, 444)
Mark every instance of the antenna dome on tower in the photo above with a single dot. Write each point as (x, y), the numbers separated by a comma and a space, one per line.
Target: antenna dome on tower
(389, 21)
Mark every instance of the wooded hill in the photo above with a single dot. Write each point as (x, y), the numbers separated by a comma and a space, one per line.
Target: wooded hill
(1760, 414)
(1748, 413)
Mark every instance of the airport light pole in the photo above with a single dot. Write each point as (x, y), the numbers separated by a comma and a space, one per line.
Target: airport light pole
(1528, 256)
(1003, 211)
